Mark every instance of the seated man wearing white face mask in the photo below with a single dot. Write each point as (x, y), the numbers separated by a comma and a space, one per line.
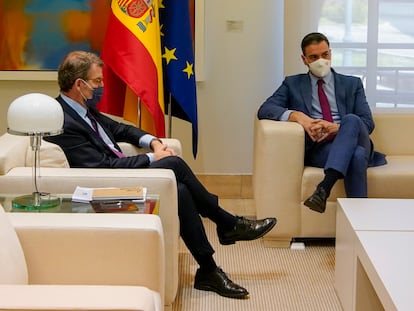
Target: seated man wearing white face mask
(336, 117)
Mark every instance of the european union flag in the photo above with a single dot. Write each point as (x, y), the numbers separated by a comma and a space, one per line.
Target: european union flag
(178, 62)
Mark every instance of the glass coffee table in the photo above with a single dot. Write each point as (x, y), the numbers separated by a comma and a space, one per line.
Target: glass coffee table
(149, 206)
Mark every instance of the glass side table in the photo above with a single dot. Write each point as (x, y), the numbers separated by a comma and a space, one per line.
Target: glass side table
(149, 206)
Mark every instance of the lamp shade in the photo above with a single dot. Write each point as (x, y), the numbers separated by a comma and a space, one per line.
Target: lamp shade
(35, 113)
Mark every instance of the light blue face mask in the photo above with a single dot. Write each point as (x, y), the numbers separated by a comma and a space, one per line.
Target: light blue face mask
(97, 94)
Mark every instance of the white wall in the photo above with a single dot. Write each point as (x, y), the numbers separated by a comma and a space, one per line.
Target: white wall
(301, 18)
(241, 69)
(11, 89)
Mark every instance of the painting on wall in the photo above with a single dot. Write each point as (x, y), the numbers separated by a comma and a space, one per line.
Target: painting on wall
(36, 34)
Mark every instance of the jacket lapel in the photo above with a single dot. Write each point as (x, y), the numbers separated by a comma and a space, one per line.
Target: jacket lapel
(306, 87)
(340, 94)
(82, 123)
(67, 109)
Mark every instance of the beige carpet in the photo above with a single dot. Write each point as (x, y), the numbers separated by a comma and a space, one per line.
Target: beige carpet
(277, 279)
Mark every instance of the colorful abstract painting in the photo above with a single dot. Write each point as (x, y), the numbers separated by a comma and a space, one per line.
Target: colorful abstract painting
(36, 34)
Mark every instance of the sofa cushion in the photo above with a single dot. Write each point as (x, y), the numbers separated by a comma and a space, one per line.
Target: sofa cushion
(17, 152)
(51, 155)
(385, 181)
(13, 268)
(393, 133)
(12, 152)
(393, 180)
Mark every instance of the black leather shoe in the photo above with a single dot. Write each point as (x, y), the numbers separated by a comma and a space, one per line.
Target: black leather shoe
(217, 281)
(246, 230)
(317, 201)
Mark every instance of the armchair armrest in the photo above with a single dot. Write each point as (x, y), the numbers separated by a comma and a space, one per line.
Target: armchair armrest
(92, 249)
(130, 150)
(277, 174)
(78, 297)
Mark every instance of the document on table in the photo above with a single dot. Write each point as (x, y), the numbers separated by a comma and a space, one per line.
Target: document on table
(85, 195)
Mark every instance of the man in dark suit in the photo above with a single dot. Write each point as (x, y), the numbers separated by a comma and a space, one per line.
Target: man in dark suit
(336, 117)
(90, 140)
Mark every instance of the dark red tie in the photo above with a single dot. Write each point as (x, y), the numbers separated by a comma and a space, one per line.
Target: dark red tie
(323, 101)
(326, 109)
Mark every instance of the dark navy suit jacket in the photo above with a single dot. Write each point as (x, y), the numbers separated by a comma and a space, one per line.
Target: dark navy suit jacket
(295, 93)
(84, 148)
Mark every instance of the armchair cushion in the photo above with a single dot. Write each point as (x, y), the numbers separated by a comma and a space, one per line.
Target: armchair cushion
(19, 153)
(12, 152)
(51, 155)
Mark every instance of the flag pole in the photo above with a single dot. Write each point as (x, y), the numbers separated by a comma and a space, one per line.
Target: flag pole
(139, 112)
(169, 116)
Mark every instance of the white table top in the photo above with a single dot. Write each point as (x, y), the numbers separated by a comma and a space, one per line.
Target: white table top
(389, 257)
(379, 214)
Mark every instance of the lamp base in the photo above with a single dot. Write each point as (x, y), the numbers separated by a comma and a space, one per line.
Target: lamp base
(35, 201)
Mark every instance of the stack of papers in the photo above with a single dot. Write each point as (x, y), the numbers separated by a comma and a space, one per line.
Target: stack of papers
(85, 195)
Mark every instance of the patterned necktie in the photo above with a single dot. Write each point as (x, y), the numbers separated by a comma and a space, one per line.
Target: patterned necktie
(323, 101)
(94, 123)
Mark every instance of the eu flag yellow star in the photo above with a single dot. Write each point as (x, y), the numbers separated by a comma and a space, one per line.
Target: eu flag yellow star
(169, 55)
(189, 70)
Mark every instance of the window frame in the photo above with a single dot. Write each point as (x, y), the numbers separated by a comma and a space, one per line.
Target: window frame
(371, 73)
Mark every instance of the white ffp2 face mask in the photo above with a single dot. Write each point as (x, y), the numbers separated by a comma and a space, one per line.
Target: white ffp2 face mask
(320, 67)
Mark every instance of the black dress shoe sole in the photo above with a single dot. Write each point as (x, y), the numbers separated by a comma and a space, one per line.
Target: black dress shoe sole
(229, 241)
(209, 288)
(314, 206)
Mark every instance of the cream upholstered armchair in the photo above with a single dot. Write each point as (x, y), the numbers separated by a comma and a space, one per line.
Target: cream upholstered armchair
(58, 178)
(81, 262)
(281, 182)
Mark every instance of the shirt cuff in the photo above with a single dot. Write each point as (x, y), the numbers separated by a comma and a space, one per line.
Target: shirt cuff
(145, 141)
(150, 156)
(285, 116)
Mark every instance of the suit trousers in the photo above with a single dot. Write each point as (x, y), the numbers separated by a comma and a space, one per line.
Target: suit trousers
(194, 200)
(349, 153)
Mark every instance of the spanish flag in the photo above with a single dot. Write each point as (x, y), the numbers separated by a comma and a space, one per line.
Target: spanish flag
(133, 66)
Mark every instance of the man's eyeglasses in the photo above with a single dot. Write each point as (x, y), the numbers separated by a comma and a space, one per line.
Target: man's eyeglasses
(96, 80)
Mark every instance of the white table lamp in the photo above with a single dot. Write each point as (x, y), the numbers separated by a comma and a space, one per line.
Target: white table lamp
(35, 115)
